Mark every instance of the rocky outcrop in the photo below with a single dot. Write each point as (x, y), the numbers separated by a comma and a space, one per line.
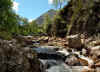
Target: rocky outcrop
(14, 58)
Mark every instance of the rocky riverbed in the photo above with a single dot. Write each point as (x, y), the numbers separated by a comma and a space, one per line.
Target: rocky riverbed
(74, 54)
(29, 54)
(60, 61)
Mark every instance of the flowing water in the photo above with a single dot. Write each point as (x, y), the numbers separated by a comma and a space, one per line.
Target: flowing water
(53, 60)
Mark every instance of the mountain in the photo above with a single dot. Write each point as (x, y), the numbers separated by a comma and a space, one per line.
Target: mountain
(50, 13)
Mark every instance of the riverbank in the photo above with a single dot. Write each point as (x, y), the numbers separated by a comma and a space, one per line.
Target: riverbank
(70, 54)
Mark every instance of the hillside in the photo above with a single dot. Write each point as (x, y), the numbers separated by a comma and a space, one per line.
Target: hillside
(50, 13)
(78, 17)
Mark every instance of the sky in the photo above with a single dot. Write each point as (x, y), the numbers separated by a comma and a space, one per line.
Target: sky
(31, 9)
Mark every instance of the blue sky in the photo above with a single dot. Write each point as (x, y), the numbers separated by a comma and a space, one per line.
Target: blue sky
(32, 9)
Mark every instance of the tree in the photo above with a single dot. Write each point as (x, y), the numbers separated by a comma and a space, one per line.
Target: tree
(46, 22)
(59, 3)
(8, 18)
(33, 27)
(76, 11)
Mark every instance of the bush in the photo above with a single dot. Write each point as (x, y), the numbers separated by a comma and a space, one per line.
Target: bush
(5, 35)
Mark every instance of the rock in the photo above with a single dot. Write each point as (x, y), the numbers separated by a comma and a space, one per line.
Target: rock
(98, 69)
(14, 58)
(95, 43)
(84, 51)
(72, 60)
(87, 60)
(51, 44)
(83, 62)
(75, 60)
(86, 70)
(97, 64)
(25, 40)
(28, 37)
(95, 51)
(74, 41)
(44, 39)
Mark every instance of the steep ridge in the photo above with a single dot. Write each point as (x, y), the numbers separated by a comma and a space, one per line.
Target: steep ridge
(50, 13)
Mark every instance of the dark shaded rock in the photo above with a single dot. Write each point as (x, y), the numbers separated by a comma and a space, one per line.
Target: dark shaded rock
(14, 58)
(74, 41)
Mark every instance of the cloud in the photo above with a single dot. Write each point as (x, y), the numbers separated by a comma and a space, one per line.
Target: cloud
(15, 6)
(50, 1)
(30, 20)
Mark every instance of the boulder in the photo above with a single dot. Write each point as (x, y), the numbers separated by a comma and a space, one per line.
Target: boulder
(95, 43)
(95, 52)
(97, 64)
(72, 60)
(88, 70)
(74, 41)
(75, 60)
(83, 62)
(14, 58)
(44, 39)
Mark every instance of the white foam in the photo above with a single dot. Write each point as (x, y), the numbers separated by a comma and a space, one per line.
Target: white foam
(64, 51)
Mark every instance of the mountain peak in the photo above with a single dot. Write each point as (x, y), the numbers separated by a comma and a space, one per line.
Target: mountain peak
(50, 13)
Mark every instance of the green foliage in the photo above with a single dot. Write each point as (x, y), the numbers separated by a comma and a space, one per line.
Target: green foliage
(8, 19)
(33, 26)
(47, 21)
(76, 11)
(79, 17)
(59, 3)
(11, 23)
(6, 15)
(58, 27)
(5, 35)
(60, 24)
